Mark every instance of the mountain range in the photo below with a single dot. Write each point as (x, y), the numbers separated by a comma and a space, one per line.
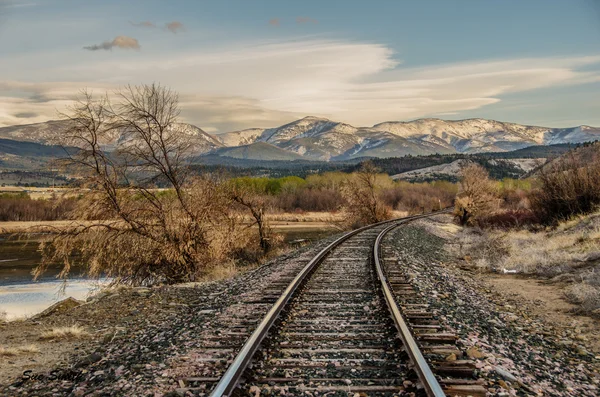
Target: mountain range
(320, 139)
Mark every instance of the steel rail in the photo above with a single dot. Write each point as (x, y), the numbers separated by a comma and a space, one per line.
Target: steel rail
(432, 386)
(233, 375)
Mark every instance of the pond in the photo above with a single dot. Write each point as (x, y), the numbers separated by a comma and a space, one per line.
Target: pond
(20, 296)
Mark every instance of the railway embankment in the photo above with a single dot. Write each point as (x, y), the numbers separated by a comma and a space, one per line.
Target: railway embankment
(151, 341)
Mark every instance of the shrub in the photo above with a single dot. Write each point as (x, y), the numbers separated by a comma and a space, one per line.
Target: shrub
(363, 204)
(20, 207)
(568, 186)
(508, 219)
(419, 197)
(310, 199)
(478, 195)
(145, 235)
(73, 331)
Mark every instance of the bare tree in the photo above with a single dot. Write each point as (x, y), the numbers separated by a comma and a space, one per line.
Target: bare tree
(256, 205)
(153, 221)
(478, 195)
(360, 192)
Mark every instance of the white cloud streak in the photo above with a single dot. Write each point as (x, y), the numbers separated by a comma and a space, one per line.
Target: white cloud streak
(268, 84)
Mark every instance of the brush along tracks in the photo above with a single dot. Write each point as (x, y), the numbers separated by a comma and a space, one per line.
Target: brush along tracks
(331, 332)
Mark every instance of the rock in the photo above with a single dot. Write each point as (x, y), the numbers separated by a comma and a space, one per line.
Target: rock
(505, 374)
(451, 357)
(92, 358)
(582, 351)
(503, 384)
(60, 307)
(473, 352)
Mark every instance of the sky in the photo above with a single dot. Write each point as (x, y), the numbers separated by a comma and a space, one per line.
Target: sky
(242, 64)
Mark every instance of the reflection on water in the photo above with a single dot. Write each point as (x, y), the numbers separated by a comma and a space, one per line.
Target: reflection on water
(21, 296)
(19, 256)
(26, 299)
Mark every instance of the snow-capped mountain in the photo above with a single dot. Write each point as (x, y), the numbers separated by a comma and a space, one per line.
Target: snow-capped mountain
(322, 139)
(314, 138)
(240, 138)
(480, 135)
(49, 132)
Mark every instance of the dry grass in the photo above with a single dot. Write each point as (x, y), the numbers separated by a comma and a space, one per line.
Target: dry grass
(305, 217)
(221, 272)
(545, 253)
(74, 332)
(569, 253)
(14, 351)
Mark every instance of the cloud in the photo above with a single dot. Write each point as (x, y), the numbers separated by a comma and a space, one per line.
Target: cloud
(26, 115)
(124, 42)
(274, 22)
(175, 26)
(38, 102)
(305, 20)
(267, 84)
(10, 4)
(228, 113)
(144, 24)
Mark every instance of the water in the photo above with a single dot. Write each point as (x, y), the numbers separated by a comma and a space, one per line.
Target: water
(20, 296)
(20, 300)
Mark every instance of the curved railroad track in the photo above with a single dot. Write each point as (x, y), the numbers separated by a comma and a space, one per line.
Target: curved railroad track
(349, 322)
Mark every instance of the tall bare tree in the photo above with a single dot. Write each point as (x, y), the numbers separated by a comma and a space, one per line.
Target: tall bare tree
(153, 222)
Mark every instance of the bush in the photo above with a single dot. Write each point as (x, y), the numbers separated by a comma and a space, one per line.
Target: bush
(21, 208)
(508, 219)
(568, 186)
(361, 193)
(310, 199)
(419, 197)
(146, 235)
(478, 196)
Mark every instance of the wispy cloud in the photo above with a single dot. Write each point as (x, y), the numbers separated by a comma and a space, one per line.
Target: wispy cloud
(17, 4)
(124, 42)
(175, 26)
(144, 24)
(274, 22)
(305, 20)
(265, 84)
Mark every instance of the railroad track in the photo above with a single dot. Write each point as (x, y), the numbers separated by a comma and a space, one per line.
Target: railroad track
(349, 322)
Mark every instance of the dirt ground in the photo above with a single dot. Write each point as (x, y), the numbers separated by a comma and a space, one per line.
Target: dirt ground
(547, 302)
(535, 296)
